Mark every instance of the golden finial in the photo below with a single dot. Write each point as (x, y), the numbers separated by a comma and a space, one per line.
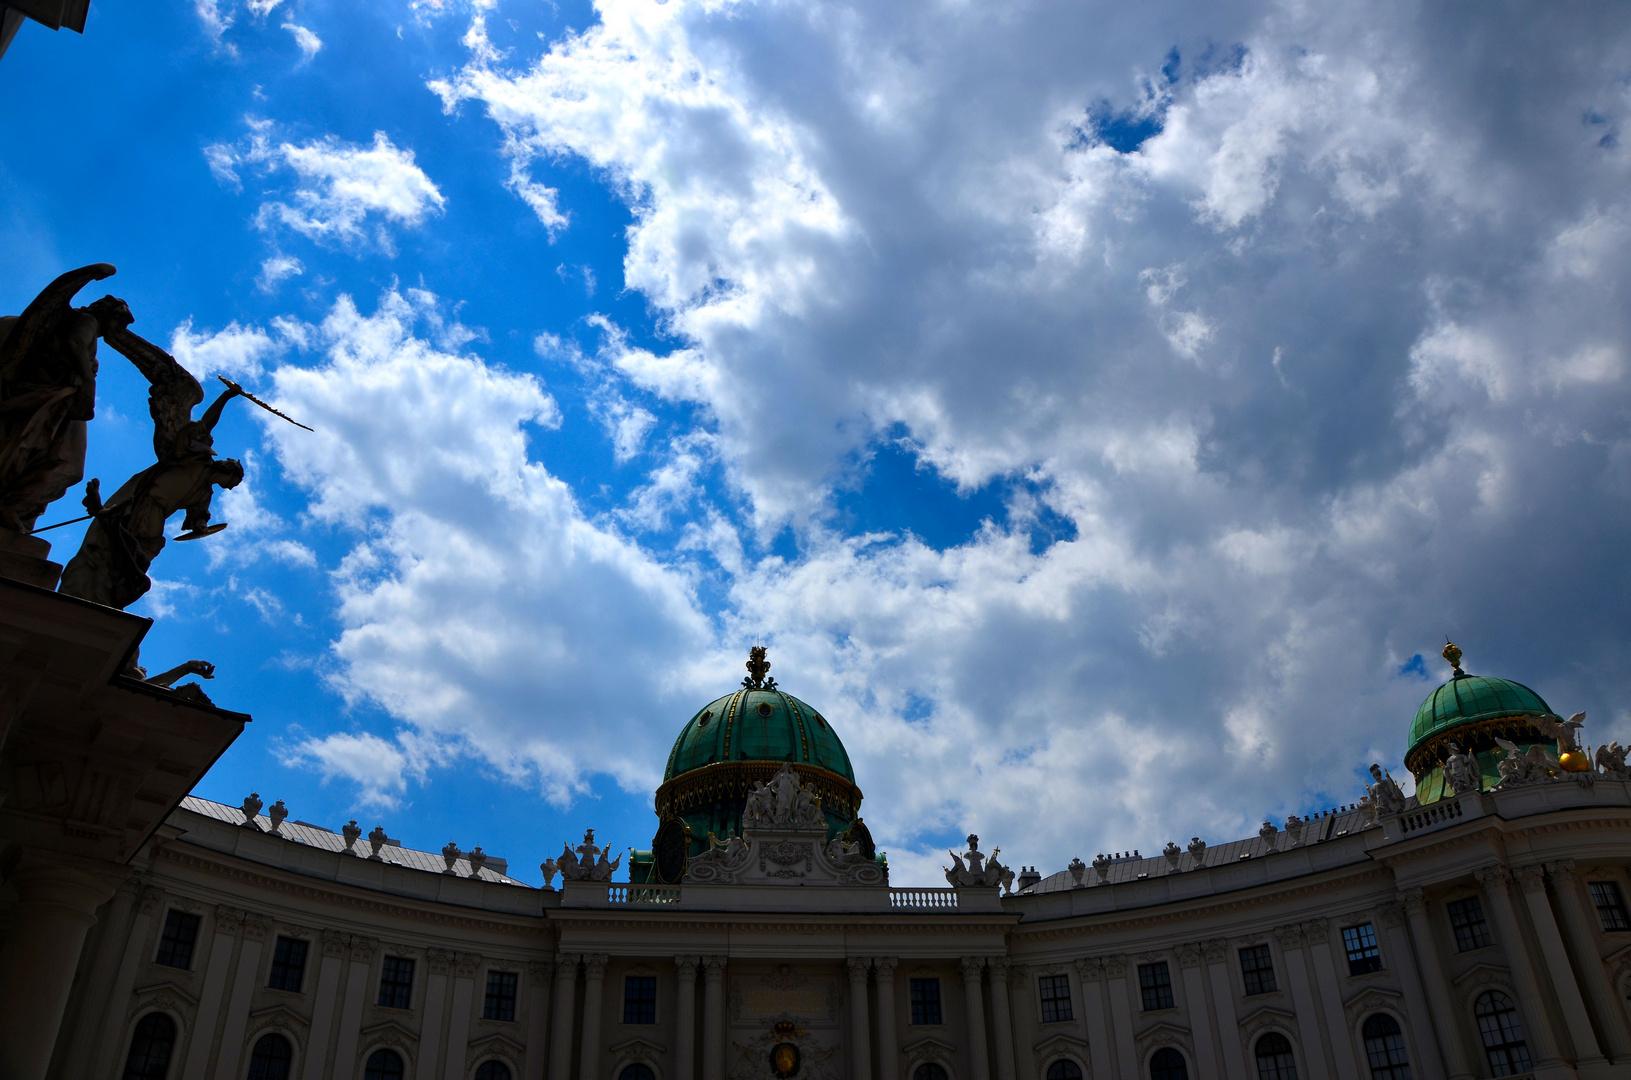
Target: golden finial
(758, 668)
(1453, 655)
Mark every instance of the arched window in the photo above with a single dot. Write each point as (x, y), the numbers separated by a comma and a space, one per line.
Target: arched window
(383, 1065)
(1502, 1033)
(1384, 1046)
(637, 1072)
(1064, 1070)
(930, 1071)
(497, 1070)
(270, 1058)
(1168, 1064)
(150, 1046)
(1274, 1060)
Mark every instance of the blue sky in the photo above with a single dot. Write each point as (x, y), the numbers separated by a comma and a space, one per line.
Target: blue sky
(1097, 409)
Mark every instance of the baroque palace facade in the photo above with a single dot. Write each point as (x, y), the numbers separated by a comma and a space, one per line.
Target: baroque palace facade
(1479, 930)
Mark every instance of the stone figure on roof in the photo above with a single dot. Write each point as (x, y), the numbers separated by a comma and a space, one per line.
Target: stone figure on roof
(973, 869)
(48, 369)
(783, 803)
(1384, 792)
(1461, 771)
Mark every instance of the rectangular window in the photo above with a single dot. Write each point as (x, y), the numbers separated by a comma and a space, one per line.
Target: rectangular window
(176, 943)
(396, 982)
(640, 999)
(1610, 905)
(288, 964)
(1155, 984)
(1257, 970)
(926, 1001)
(1467, 919)
(1055, 998)
(500, 1003)
(1363, 955)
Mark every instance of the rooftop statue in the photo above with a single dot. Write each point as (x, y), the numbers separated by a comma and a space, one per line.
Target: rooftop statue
(784, 803)
(127, 531)
(972, 869)
(583, 865)
(48, 372)
(1385, 794)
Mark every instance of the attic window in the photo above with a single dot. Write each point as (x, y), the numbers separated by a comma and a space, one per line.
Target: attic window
(707, 714)
(764, 708)
(821, 722)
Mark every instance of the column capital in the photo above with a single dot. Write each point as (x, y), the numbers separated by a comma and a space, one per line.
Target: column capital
(594, 965)
(1493, 877)
(1189, 955)
(441, 961)
(228, 920)
(1115, 966)
(255, 927)
(566, 964)
(998, 966)
(362, 948)
(713, 968)
(335, 943)
(1561, 870)
(1089, 968)
(1217, 949)
(1414, 902)
(885, 967)
(1289, 936)
(1391, 913)
(466, 964)
(858, 967)
(686, 966)
(1316, 931)
(972, 966)
(539, 971)
(1532, 878)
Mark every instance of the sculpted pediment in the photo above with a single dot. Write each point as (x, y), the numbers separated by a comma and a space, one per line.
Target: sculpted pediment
(1482, 973)
(169, 988)
(495, 1046)
(389, 1033)
(928, 1048)
(279, 1012)
(1061, 1045)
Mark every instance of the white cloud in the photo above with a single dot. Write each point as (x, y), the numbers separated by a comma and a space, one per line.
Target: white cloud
(215, 23)
(308, 42)
(235, 351)
(277, 269)
(339, 186)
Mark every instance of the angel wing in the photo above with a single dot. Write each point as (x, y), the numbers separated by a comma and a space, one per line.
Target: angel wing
(1507, 745)
(174, 391)
(39, 319)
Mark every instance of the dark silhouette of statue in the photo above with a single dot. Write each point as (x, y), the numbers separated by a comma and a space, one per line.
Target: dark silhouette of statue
(127, 531)
(47, 393)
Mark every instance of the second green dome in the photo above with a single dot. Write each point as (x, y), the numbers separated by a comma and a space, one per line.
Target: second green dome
(758, 725)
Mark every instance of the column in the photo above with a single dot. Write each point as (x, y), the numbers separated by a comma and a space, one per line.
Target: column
(1536, 1024)
(102, 1050)
(1572, 903)
(335, 946)
(860, 1038)
(356, 996)
(1002, 1018)
(56, 907)
(458, 1023)
(594, 982)
(1318, 934)
(713, 1017)
(1445, 1019)
(1207, 1065)
(1588, 1057)
(1217, 956)
(1401, 958)
(83, 1026)
(685, 1017)
(1302, 995)
(1089, 972)
(439, 962)
(888, 1049)
(228, 921)
(538, 974)
(1121, 1019)
(979, 1060)
(243, 989)
(566, 987)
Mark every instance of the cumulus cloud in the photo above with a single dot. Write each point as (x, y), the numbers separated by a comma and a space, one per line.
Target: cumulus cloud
(339, 187)
(307, 42)
(235, 351)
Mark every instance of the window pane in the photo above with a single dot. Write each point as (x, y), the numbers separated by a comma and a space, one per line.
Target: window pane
(396, 982)
(1257, 969)
(930, 1071)
(270, 1058)
(1055, 998)
(288, 965)
(500, 1003)
(637, 1072)
(1384, 1049)
(1502, 1032)
(1064, 1070)
(383, 1065)
(925, 1001)
(150, 1047)
(1168, 1064)
(497, 1070)
(640, 999)
(1467, 919)
(1155, 984)
(176, 943)
(1363, 955)
(1274, 1058)
(1610, 905)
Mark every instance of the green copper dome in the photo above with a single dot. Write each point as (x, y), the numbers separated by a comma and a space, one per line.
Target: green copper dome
(1469, 699)
(758, 725)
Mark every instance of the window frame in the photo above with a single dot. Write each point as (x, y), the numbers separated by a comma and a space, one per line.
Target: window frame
(1506, 1047)
(509, 993)
(393, 964)
(272, 972)
(1386, 1070)
(1615, 906)
(368, 1062)
(260, 1040)
(1183, 1062)
(1064, 1063)
(1290, 1052)
(1262, 977)
(1369, 958)
(1470, 934)
(182, 918)
(490, 1064)
(642, 1005)
(922, 1003)
(174, 1036)
(1046, 983)
(1159, 984)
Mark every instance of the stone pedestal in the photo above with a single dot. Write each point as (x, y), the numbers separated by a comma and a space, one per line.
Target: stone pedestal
(24, 558)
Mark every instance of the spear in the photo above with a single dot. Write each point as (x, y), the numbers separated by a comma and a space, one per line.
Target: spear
(245, 393)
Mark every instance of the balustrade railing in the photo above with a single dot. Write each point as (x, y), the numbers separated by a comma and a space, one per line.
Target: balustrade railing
(923, 898)
(642, 894)
(1426, 818)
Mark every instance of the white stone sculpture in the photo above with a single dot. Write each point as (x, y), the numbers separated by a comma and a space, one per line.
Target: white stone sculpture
(351, 831)
(973, 870)
(277, 812)
(1270, 834)
(478, 859)
(1173, 853)
(450, 855)
(376, 840)
(1611, 760)
(1077, 868)
(783, 803)
(1566, 732)
(1101, 866)
(583, 866)
(1197, 850)
(1532, 766)
(1461, 771)
(1294, 829)
(252, 806)
(1385, 794)
(549, 870)
(722, 862)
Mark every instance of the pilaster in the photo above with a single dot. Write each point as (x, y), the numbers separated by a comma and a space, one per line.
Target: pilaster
(979, 1059)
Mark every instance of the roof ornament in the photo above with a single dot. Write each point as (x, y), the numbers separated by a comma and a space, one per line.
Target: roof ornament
(758, 671)
(1453, 656)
